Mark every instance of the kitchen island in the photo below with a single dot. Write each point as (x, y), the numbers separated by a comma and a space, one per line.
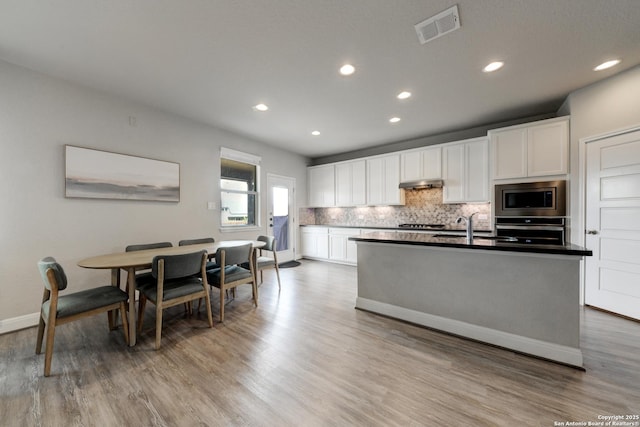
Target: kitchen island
(520, 297)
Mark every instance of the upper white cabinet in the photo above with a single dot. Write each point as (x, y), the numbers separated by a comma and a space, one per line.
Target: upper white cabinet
(383, 179)
(424, 163)
(530, 150)
(321, 183)
(466, 171)
(351, 187)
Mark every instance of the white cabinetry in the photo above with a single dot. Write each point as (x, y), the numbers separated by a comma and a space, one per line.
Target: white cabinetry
(321, 183)
(466, 171)
(315, 242)
(383, 179)
(351, 183)
(424, 163)
(531, 150)
(341, 249)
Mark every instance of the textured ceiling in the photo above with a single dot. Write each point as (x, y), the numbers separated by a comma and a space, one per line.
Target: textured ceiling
(213, 60)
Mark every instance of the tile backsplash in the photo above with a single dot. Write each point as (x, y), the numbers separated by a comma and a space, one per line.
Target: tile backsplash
(421, 206)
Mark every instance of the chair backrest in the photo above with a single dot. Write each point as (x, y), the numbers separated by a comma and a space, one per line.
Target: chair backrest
(270, 243)
(196, 241)
(234, 254)
(177, 266)
(142, 247)
(50, 263)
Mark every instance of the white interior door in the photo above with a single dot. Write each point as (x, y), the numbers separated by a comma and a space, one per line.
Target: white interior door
(281, 215)
(612, 280)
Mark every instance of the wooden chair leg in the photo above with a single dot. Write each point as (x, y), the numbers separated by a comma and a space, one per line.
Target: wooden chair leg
(41, 327)
(209, 314)
(125, 321)
(255, 293)
(158, 325)
(110, 320)
(48, 352)
(278, 274)
(221, 304)
(261, 276)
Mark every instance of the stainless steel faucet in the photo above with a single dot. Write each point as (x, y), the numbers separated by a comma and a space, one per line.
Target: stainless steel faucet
(469, 222)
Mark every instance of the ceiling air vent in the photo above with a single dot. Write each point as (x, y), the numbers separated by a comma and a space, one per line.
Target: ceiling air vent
(438, 25)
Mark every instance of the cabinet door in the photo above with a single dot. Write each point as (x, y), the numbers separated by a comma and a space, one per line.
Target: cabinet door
(411, 166)
(383, 179)
(432, 163)
(308, 244)
(421, 164)
(375, 181)
(321, 186)
(548, 147)
(509, 149)
(315, 243)
(337, 247)
(358, 183)
(392, 193)
(344, 184)
(453, 173)
(476, 179)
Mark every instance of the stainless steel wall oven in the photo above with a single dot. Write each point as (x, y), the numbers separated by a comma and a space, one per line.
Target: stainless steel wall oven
(532, 212)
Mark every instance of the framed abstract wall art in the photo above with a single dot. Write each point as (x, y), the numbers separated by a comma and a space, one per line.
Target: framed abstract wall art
(97, 174)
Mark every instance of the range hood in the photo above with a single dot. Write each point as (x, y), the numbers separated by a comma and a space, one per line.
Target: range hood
(421, 184)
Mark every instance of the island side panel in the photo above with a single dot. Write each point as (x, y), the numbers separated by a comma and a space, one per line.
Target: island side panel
(530, 295)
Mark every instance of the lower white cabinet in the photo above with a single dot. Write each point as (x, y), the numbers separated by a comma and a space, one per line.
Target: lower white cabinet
(315, 242)
(341, 249)
(330, 243)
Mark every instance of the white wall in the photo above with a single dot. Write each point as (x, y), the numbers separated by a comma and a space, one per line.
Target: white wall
(38, 115)
(609, 105)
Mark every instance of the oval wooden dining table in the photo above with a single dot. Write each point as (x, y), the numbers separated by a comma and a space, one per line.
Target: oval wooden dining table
(136, 260)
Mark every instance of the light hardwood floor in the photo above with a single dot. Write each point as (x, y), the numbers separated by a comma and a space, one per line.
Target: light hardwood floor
(306, 357)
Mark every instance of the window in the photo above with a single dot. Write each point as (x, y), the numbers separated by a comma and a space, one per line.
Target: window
(239, 192)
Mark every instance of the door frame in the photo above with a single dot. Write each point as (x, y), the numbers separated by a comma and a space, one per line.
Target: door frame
(293, 210)
(582, 193)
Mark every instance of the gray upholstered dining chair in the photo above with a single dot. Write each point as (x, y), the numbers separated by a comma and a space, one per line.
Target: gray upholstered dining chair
(231, 273)
(143, 277)
(265, 262)
(177, 282)
(57, 310)
(186, 242)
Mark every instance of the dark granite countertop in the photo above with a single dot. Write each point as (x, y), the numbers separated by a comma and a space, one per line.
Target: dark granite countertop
(424, 239)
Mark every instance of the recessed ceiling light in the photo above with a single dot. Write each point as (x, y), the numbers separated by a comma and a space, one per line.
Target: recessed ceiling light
(315, 133)
(404, 95)
(607, 64)
(260, 107)
(493, 67)
(394, 119)
(347, 69)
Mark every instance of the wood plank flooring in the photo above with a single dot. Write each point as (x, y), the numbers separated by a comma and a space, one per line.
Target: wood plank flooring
(306, 357)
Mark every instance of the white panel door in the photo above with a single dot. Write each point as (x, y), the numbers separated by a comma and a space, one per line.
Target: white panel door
(613, 224)
(281, 205)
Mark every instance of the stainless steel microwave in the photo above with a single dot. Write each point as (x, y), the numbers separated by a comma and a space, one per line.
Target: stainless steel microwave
(548, 198)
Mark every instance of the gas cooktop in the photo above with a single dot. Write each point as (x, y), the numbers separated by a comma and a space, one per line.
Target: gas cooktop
(423, 226)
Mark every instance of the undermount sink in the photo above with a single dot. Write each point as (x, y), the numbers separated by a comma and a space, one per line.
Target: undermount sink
(478, 237)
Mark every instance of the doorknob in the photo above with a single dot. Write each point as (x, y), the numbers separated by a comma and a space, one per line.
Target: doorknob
(594, 232)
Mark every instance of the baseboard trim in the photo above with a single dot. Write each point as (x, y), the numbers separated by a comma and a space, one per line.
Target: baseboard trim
(546, 350)
(20, 322)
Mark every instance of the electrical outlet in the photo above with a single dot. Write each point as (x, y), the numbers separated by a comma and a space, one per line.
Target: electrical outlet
(483, 216)
(211, 206)
(380, 216)
(360, 216)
